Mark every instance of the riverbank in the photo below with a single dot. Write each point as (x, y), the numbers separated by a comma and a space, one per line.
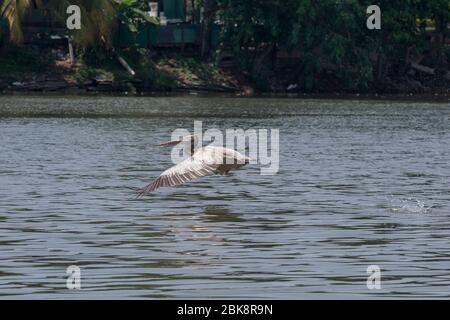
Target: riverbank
(269, 97)
(34, 69)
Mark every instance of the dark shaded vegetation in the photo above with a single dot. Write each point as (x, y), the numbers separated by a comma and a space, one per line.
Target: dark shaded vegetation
(101, 67)
(17, 62)
(335, 50)
(274, 46)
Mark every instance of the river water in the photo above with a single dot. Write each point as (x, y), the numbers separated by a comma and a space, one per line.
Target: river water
(361, 183)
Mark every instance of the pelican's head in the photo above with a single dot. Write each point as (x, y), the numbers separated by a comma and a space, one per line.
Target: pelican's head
(188, 140)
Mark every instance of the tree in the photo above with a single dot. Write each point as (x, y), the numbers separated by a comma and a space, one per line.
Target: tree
(209, 10)
(131, 12)
(14, 11)
(98, 17)
(331, 36)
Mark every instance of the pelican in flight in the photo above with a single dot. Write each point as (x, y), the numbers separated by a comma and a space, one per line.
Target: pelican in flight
(201, 162)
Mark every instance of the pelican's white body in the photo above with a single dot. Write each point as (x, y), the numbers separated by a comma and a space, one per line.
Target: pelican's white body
(203, 161)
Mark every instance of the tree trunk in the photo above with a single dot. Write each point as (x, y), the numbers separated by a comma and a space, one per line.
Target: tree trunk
(428, 70)
(380, 68)
(208, 21)
(264, 59)
(439, 40)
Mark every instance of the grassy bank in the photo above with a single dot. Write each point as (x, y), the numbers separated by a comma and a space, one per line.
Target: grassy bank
(44, 69)
(34, 68)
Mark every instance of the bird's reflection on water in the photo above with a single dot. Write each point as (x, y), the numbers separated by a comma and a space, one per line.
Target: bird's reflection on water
(220, 214)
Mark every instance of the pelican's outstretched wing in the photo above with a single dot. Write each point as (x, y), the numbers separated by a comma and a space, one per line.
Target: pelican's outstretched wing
(183, 172)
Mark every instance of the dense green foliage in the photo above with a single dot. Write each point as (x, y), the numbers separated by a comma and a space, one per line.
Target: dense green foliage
(332, 36)
(97, 23)
(99, 17)
(133, 12)
(329, 38)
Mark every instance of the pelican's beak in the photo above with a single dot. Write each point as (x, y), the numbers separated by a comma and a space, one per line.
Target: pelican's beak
(170, 143)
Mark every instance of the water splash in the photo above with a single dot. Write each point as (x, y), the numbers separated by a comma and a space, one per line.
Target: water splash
(407, 205)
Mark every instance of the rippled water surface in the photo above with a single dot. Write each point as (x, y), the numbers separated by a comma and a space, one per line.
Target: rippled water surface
(361, 183)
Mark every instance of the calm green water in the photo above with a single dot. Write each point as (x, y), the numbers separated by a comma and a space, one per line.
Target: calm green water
(360, 184)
